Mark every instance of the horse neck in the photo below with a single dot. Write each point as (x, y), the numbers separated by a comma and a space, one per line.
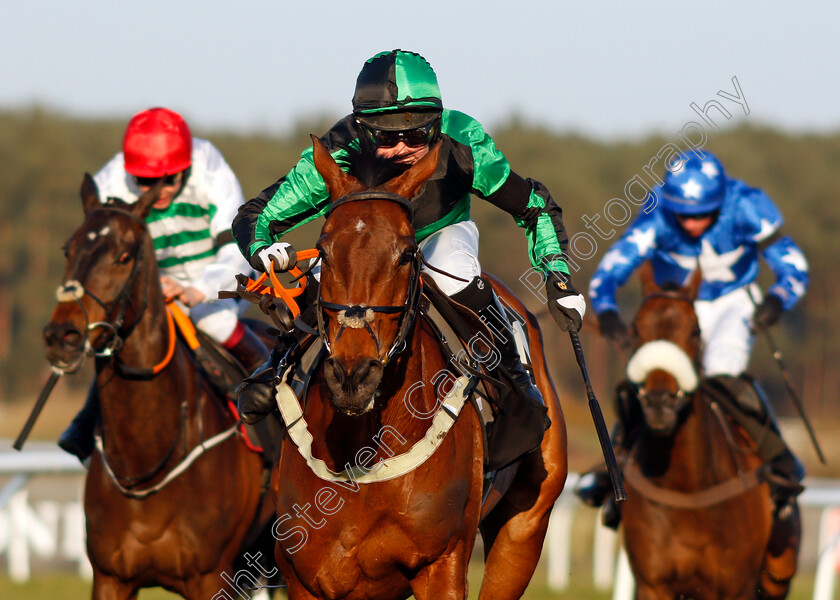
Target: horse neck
(694, 458)
(143, 416)
(406, 392)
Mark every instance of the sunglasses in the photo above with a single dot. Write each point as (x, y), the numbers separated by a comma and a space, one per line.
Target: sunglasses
(413, 138)
(168, 180)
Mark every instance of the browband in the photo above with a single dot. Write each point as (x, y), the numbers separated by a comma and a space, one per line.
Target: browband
(373, 195)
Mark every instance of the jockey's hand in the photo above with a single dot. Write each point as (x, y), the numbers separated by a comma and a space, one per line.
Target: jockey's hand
(173, 290)
(613, 328)
(565, 303)
(191, 296)
(281, 254)
(769, 312)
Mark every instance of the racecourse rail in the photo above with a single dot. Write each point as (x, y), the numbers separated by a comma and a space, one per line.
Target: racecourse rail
(26, 529)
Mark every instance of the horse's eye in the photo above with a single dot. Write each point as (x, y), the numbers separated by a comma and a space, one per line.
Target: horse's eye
(124, 258)
(407, 256)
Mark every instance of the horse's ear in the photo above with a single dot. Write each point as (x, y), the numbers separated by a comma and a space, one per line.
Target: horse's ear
(407, 184)
(693, 284)
(648, 280)
(338, 182)
(144, 203)
(90, 194)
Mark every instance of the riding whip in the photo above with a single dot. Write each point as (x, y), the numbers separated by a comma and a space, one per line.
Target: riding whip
(600, 426)
(797, 402)
(36, 410)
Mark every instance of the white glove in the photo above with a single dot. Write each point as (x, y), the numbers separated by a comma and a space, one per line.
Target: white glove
(281, 254)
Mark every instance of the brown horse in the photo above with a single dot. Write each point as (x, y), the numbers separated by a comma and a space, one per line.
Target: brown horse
(698, 522)
(154, 517)
(411, 530)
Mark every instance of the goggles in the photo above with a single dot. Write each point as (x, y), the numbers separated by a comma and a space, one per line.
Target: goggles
(168, 180)
(413, 138)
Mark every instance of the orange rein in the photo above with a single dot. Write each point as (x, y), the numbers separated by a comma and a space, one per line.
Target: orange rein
(276, 289)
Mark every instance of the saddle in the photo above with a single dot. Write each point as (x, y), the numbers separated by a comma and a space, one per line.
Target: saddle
(223, 372)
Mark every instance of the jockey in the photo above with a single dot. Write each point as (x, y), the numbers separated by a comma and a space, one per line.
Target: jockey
(398, 113)
(190, 226)
(708, 219)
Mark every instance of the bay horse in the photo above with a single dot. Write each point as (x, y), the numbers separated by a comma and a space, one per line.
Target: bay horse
(698, 521)
(376, 395)
(146, 524)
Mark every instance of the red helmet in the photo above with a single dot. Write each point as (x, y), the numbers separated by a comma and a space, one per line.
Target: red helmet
(157, 142)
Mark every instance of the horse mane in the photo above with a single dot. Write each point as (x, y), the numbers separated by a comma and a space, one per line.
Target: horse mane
(373, 170)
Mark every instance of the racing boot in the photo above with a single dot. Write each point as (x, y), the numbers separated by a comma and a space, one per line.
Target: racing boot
(77, 439)
(246, 347)
(255, 395)
(752, 411)
(524, 413)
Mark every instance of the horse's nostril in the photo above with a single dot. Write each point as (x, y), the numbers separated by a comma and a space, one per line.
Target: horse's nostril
(366, 370)
(72, 340)
(338, 370)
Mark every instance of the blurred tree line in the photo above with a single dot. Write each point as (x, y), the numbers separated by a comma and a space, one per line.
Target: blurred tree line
(43, 156)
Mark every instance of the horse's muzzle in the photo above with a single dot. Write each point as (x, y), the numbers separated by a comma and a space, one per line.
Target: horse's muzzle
(661, 409)
(353, 389)
(65, 343)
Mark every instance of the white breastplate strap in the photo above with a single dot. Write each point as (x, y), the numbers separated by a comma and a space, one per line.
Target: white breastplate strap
(390, 468)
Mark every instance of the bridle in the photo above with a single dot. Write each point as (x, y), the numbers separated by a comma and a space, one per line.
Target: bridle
(360, 316)
(115, 312)
(673, 399)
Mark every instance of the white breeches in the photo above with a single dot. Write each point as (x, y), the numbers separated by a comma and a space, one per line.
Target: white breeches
(217, 318)
(725, 328)
(453, 249)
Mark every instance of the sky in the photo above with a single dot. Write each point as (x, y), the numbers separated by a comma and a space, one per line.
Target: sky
(609, 70)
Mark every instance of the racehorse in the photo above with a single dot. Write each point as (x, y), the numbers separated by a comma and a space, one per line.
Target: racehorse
(698, 522)
(377, 395)
(161, 510)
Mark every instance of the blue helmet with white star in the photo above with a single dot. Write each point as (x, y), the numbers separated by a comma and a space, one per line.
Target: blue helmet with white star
(697, 187)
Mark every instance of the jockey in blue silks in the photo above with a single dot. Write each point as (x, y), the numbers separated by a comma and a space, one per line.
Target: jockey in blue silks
(701, 217)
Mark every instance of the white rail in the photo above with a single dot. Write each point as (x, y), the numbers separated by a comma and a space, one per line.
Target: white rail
(27, 529)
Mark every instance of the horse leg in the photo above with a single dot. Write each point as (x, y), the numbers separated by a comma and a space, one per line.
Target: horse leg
(513, 542)
(650, 592)
(295, 589)
(446, 578)
(108, 587)
(780, 560)
(514, 531)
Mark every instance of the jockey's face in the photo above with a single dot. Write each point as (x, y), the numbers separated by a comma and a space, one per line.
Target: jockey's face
(172, 184)
(403, 153)
(696, 225)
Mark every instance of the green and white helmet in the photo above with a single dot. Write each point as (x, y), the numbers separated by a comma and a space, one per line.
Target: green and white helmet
(395, 91)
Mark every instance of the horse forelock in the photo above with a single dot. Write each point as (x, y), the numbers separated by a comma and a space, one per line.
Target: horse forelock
(666, 356)
(373, 170)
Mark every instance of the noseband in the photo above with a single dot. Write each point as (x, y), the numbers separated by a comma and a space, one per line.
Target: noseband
(359, 316)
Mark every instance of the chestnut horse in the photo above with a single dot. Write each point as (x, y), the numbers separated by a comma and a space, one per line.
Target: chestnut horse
(156, 411)
(698, 522)
(375, 397)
